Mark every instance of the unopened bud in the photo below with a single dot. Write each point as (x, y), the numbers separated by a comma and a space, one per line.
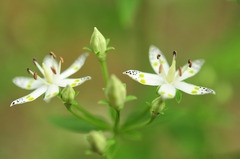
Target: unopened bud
(98, 44)
(116, 93)
(157, 107)
(68, 95)
(97, 142)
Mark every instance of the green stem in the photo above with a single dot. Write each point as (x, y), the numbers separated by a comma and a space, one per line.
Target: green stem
(117, 120)
(91, 117)
(89, 120)
(105, 71)
(138, 117)
(140, 125)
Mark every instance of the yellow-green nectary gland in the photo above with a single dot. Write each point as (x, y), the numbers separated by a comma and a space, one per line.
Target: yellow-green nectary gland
(48, 74)
(171, 73)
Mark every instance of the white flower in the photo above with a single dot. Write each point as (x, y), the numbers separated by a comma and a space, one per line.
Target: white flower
(167, 77)
(52, 78)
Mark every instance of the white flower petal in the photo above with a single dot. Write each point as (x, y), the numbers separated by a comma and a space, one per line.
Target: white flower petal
(75, 66)
(145, 78)
(49, 62)
(73, 82)
(154, 52)
(30, 97)
(193, 89)
(52, 91)
(167, 91)
(27, 83)
(189, 72)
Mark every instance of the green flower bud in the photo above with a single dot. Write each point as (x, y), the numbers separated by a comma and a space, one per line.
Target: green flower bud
(68, 95)
(98, 44)
(157, 107)
(97, 142)
(116, 93)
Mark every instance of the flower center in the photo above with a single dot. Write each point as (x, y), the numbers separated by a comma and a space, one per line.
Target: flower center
(48, 74)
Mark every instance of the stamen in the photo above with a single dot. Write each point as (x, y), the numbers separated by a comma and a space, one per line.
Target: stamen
(190, 63)
(175, 53)
(160, 68)
(34, 61)
(35, 75)
(52, 54)
(54, 70)
(158, 56)
(28, 70)
(180, 71)
(61, 59)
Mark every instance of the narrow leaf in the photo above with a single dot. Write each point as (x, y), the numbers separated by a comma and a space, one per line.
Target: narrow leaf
(103, 102)
(110, 48)
(107, 41)
(88, 48)
(178, 96)
(72, 124)
(130, 98)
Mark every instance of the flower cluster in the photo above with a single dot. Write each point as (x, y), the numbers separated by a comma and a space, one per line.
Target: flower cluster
(52, 78)
(168, 78)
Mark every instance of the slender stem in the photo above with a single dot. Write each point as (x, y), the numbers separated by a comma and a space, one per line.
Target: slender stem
(105, 71)
(140, 125)
(90, 116)
(77, 115)
(117, 120)
(139, 116)
(89, 120)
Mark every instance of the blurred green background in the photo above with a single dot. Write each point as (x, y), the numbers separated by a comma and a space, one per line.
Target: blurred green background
(199, 127)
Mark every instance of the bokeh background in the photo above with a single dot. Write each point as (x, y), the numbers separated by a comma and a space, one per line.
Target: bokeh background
(199, 127)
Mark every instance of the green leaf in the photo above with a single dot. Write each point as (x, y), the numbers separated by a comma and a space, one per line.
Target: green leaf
(107, 41)
(157, 89)
(125, 85)
(72, 124)
(137, 116)
(76, 93)
(88, 48)
(130, 98)
(178, 96)
(133, 135)
(112, 113)
(110, 48)
(103, 102)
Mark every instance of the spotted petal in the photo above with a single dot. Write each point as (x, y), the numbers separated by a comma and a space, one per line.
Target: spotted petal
(27, 83)
(30, 97)
(156, 60)
(192, 89)
(167, 91)
(189, 72)
(75, 66)
(73, 82)
(52, 91)
(145, 78)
